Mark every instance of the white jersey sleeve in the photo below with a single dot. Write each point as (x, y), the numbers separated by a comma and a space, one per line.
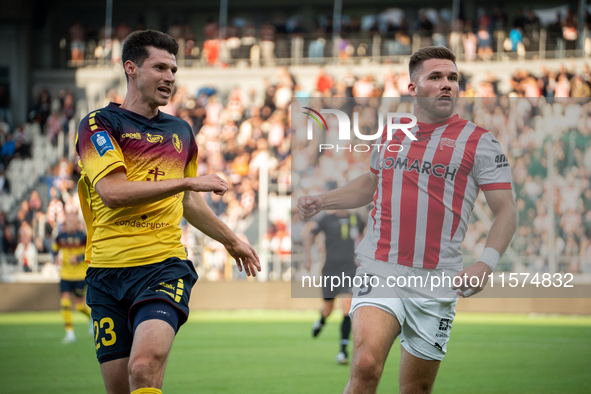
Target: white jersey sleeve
(374, 159)
(491, 166)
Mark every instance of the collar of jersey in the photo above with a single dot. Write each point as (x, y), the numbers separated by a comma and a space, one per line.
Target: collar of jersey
(141, 118)
(425, 127)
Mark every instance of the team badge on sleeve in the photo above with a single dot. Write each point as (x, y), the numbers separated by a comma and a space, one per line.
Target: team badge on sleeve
(102, 143)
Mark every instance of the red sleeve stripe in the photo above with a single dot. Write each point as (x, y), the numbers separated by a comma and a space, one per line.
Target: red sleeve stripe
(496, 186)
(374, 170)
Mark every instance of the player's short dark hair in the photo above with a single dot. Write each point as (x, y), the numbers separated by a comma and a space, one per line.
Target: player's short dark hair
(135, 47)
(427, 53)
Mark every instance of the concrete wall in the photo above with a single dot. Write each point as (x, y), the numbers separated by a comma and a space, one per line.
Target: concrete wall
(277, 295)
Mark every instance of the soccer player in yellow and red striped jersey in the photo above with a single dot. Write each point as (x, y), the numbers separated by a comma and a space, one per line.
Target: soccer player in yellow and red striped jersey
(138, 180)
(68, 248)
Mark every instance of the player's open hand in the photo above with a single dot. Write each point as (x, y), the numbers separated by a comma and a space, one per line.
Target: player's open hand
(210, 183)
(474, 278)
(309, 206)
(245, 256)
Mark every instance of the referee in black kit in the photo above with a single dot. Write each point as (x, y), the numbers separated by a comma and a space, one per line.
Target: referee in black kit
(341, 229)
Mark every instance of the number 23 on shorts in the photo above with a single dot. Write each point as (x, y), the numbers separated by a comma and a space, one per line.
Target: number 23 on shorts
(108, 338)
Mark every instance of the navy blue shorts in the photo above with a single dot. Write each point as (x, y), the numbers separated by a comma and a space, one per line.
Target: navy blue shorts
(78, 287)
(114, 294)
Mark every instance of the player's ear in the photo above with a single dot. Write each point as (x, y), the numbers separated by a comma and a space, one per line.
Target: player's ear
(130, 68)
(412, 89)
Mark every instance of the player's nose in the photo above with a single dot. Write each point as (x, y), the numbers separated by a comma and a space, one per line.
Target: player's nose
(169, 76)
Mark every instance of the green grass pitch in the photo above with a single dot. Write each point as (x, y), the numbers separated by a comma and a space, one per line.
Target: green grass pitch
(273, 352)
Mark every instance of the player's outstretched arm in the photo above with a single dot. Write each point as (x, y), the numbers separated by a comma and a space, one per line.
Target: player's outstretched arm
(355, 194)
(117, 191)
(502, 205)
(201, 217)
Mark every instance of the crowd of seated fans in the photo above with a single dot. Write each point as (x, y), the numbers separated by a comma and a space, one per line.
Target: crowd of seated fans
(243, 38)
(238, 131)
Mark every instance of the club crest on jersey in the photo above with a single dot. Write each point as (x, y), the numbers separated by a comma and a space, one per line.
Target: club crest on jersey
(154, 138)
(176, 142)
(446, 142)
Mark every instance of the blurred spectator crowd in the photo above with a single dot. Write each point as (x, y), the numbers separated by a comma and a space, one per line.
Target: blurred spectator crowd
(392, 32)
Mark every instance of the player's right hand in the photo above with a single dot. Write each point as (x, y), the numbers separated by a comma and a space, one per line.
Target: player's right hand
(246, 257)
(211, 183)
(309, 206)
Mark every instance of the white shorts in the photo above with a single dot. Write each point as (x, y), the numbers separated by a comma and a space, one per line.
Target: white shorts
(425, 321)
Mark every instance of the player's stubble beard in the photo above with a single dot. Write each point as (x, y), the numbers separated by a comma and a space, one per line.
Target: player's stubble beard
(435, 107)
(149, 90)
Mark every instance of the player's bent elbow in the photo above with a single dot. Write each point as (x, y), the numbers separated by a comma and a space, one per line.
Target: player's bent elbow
(110, 201)
(107, 191)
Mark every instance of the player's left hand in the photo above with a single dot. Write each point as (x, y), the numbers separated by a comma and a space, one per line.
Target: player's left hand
(245, 256)
(469, 277)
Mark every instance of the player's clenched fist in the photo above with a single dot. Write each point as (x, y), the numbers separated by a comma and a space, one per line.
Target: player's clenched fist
(210, 183)
(309, 206)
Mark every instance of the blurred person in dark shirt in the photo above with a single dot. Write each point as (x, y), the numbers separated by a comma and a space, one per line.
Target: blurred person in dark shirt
(341, 229)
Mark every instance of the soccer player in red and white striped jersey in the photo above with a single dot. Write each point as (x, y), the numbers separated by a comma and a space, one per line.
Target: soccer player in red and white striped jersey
(423, 196)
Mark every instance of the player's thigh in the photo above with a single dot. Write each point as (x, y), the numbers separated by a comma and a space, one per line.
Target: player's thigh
(112, 336)
(374, 332)
(152, 339)
(416, 375)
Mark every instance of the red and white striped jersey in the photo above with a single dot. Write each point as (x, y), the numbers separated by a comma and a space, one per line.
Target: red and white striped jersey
(427, 191)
